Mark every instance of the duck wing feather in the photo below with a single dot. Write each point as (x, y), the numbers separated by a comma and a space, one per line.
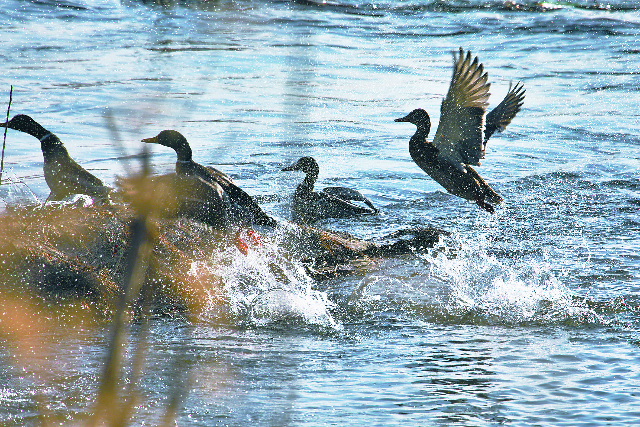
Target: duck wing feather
(501, 116)
(459, 137)
(348, 194)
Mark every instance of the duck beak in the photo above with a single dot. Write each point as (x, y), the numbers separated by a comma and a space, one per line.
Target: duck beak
(289, 168)
(402, 119)
(153, 140)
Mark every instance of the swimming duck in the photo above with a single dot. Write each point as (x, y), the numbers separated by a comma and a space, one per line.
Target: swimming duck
(244, 207)
(62, 174)
(463, 131)
(331, 202)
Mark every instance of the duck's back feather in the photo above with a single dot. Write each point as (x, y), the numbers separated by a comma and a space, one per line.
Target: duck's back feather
(349, 194)
(316, 206)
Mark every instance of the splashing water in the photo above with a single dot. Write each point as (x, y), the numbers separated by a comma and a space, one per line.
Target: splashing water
(14, 191)
(502, 290)
(264, 287)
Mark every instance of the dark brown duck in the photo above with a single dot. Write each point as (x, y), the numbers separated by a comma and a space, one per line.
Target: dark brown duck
(463, 131)
(243, 205)
(331, 202)
(63, 175)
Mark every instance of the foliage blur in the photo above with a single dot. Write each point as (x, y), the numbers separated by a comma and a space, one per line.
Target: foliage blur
(66, 267)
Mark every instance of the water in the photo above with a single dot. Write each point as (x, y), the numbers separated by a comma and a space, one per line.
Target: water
(526, 317)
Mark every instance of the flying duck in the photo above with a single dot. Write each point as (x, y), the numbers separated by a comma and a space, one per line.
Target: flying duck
(463, 131)
(331, 202)
(244, 207)
(62, 174)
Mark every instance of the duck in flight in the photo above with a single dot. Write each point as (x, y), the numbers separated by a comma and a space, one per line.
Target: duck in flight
(63, 175)
(463, 131)
(331, 202)
(244, 208)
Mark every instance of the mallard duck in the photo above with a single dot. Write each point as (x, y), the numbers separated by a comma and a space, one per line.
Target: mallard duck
(463, 131)
(244, 207)
(62, 174)
(331, 202)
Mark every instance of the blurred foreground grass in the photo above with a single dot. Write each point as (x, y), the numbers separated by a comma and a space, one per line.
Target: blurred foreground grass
(68, 267)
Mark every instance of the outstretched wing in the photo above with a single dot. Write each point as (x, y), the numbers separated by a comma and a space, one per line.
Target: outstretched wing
(459, 138)
(501, 116)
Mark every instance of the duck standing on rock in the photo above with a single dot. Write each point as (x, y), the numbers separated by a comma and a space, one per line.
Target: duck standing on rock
(63, 175)
(243, 206)
(331, 202)
(463, 131)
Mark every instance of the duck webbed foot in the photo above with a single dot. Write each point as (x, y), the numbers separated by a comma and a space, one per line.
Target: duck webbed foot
(484, 205)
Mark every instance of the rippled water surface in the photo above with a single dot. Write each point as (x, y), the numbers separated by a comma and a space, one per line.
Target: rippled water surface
(526, 317)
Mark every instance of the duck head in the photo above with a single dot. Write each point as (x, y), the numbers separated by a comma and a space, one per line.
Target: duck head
(418, 117)
(307, 165)
(26, 124)
(172, 139)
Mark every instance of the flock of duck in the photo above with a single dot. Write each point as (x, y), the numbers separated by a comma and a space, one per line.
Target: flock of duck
(459, 142)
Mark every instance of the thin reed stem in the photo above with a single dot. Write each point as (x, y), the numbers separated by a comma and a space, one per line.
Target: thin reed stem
(4, 142)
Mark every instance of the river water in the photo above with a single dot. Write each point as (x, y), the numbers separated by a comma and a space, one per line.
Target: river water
(526, 317)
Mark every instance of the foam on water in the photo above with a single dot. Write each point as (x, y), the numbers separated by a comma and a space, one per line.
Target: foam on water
(503, 290)
(530, 318)
(264, 287)
(14, 192)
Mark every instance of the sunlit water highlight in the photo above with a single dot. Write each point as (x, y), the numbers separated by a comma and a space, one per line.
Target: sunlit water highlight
(527, 317)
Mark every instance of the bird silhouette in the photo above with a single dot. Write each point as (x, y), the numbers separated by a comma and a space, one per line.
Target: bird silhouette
(463, 131)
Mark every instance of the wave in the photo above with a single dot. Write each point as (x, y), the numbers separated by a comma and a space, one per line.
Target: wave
(615, 18)
(381, 8)
(466, 280)
(14, 191)
(467, 6)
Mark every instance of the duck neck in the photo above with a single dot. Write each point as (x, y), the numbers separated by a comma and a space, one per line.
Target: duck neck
(34, 128)
(184, 153)
(50, 144)
(306, 187)
(185, 164)
(186, 167)
(418, 143)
